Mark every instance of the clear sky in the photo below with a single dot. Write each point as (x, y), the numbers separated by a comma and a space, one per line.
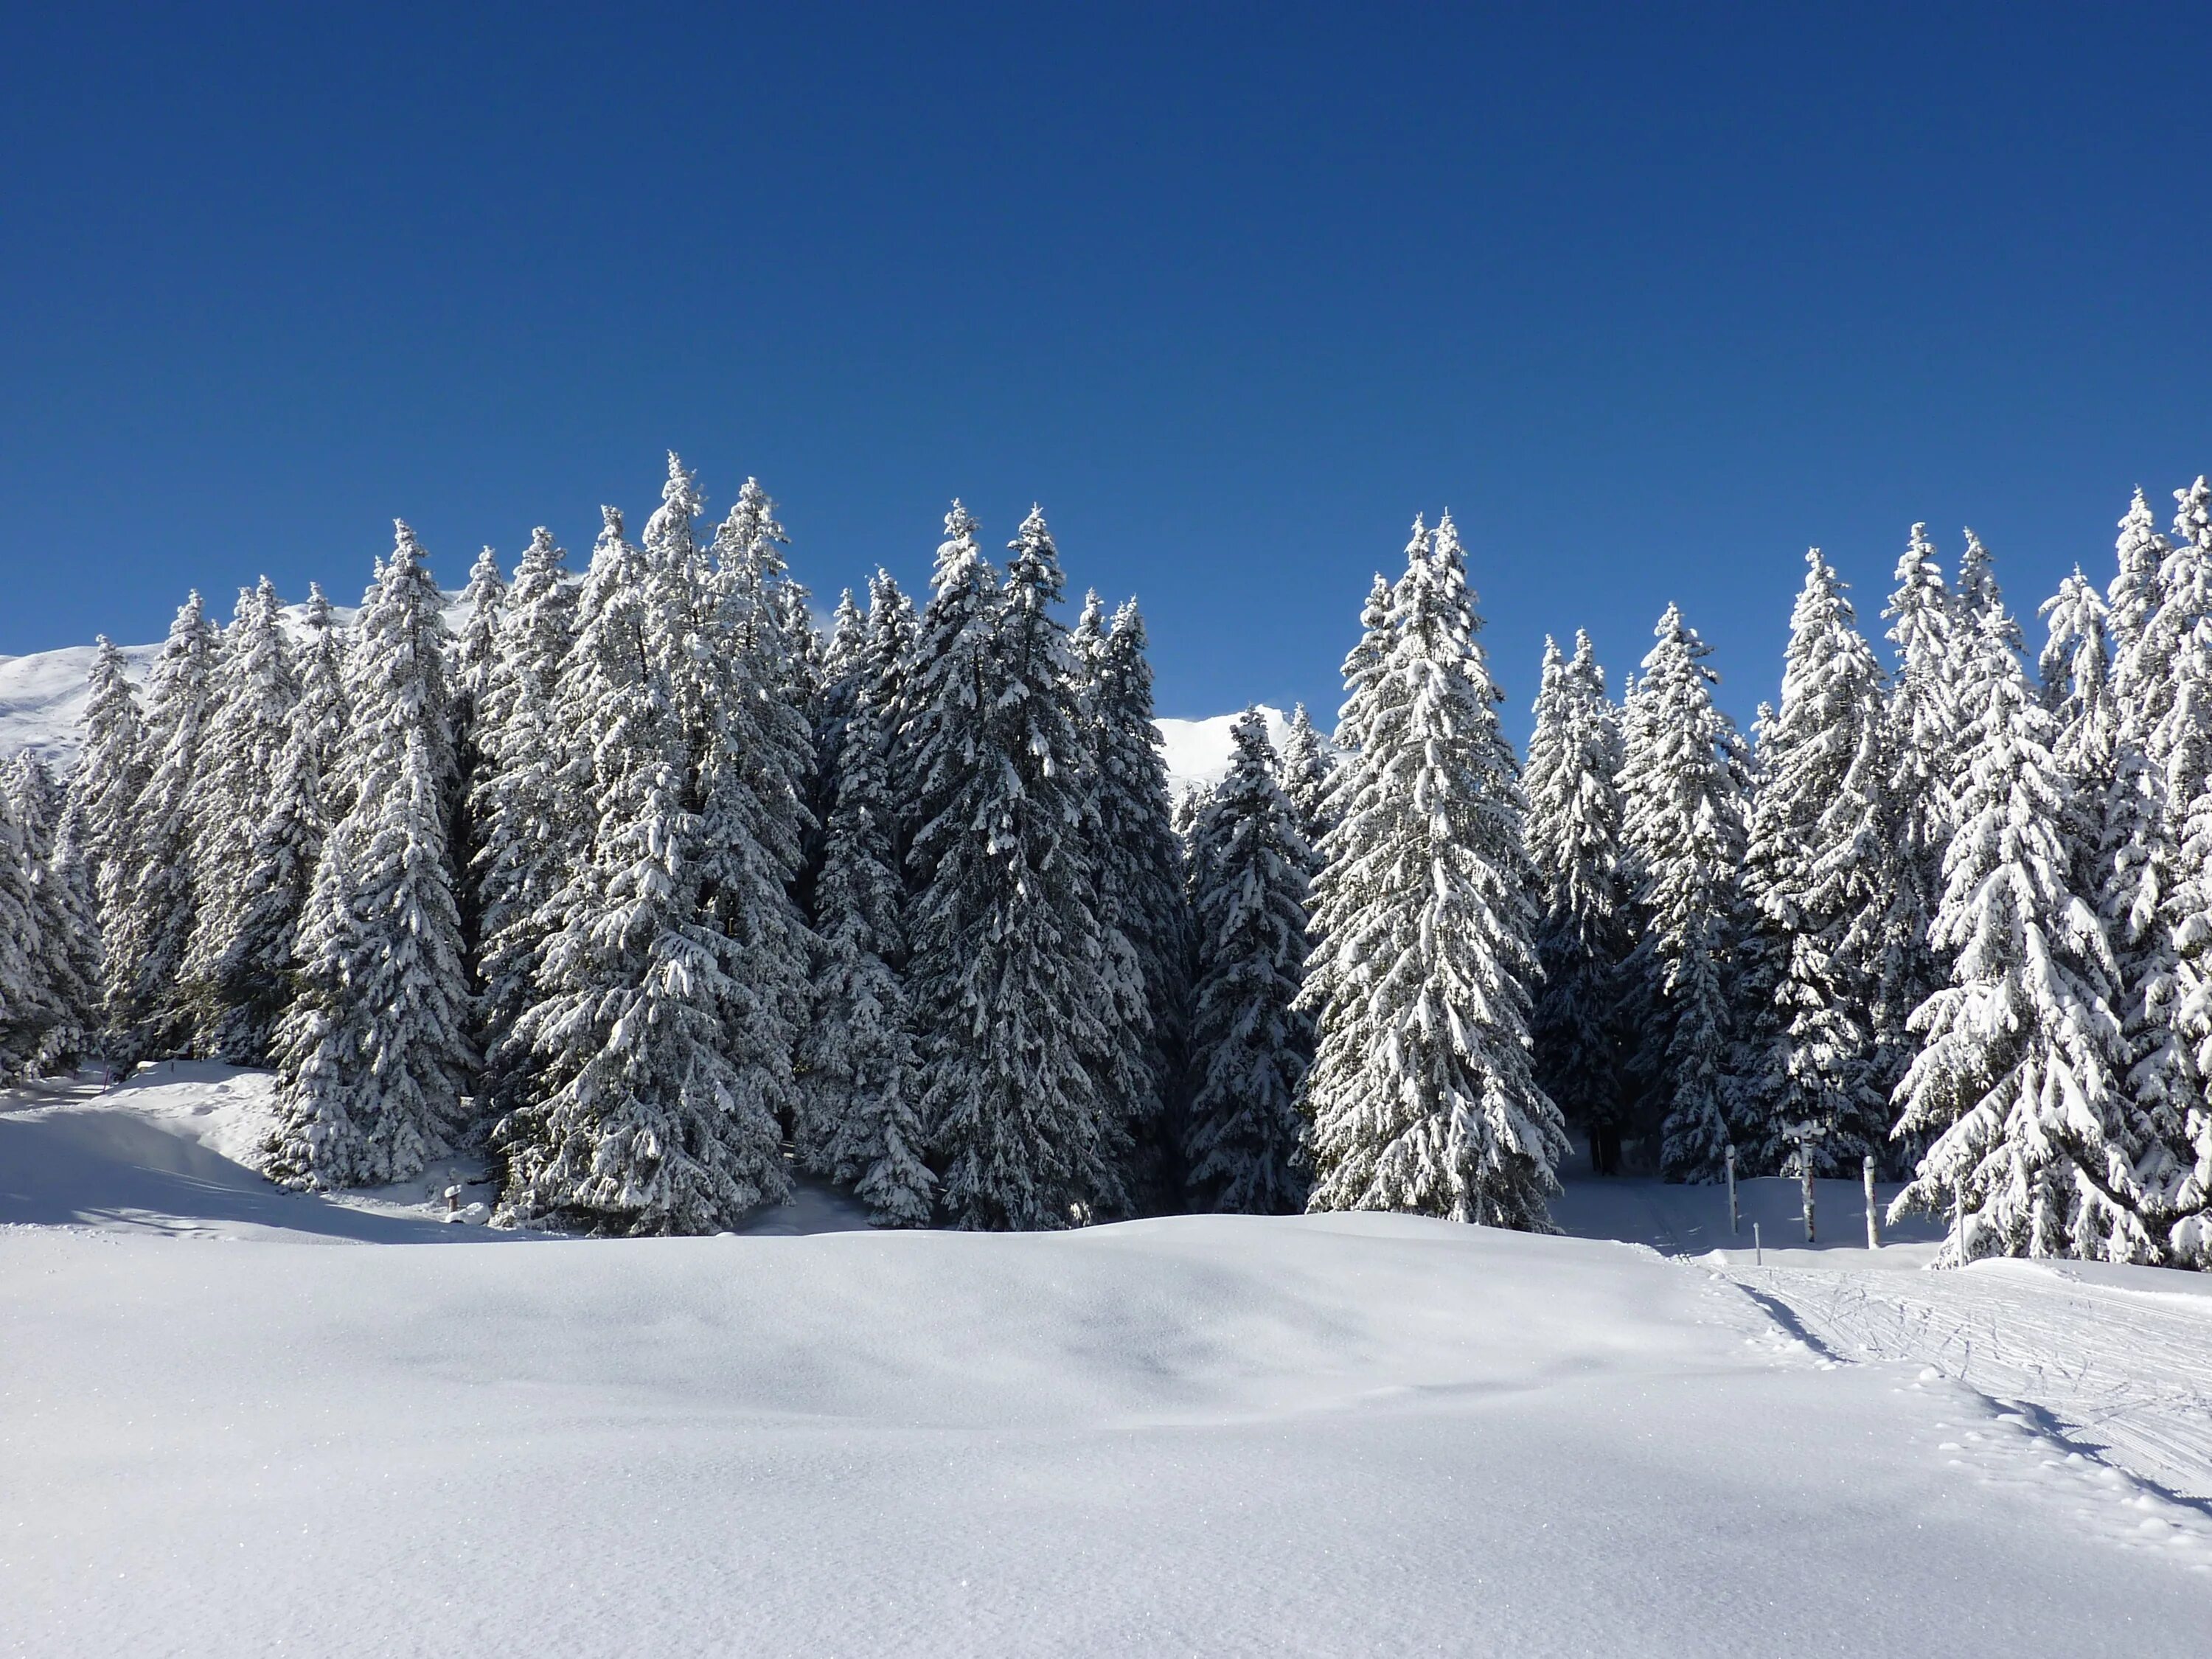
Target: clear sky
(1651, 297)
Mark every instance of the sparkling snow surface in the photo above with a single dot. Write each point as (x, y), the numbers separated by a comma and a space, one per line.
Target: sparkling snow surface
(226, 1430)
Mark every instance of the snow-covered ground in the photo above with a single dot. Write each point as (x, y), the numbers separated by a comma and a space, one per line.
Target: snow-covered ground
(1334, 1435)
(42, 697)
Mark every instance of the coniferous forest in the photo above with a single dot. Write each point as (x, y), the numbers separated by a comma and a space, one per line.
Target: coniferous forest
(650, 888)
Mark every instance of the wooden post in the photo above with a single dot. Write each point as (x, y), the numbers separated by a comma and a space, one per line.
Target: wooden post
(1758, 1249)
(1805, 1180)
(1874, 1214)
(1735, 1221)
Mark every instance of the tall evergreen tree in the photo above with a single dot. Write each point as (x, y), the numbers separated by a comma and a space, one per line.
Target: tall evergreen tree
(1141, 906)
(1306, 771)
(64, 922)
(2076, 667)
(944, 701)
(838, 687)
(1682, 827)
(2016, 1082)
(476, 661)
(476, 650)
(256, 974)
(1582, 943)
(861, 1121)
(1420, 1095)
(645, 1122)
(748, 685)
(110, 771)
(26, 1014)
(1978, 605)
(2146, 892)
(1007, 948)
(1250, 1045)
(526, 803)
(254, 693)
(1363, 666)
(373, 1054)
(2133, 597)
(2168, 1184)
(1817, 874)
(147, 934)
(1923, 746)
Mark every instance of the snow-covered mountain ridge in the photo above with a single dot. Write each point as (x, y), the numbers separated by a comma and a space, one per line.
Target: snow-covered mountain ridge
(42, 695)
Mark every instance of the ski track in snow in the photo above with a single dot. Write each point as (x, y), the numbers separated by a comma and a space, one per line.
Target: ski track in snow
(2122, 1374)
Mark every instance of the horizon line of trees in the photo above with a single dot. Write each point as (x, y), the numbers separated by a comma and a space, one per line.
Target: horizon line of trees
(647, 886)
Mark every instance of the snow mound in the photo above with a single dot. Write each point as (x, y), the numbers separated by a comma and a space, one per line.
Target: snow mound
(174, 1152)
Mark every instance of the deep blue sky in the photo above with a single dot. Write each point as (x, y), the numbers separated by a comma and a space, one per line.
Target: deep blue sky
(1651, 301)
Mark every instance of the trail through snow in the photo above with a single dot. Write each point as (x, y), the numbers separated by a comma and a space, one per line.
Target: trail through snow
(2120, 1370)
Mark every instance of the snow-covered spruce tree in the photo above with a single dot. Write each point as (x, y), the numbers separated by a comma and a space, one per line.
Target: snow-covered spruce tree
(528, 801)
(1923, 746)
(1006, 950)
(1682, 830)
(2169, 1185)
(1421, 1096)
(110, 771)
(249, 724)
(2076, 668)
(645, 1124)
(255, 976)
(2137, 850)
(1142, 907)
(26, 1013)
(1183, 814)
(476, 651)
(1146, 1148)
(1979, 599)
(372, 1056)
(945, 695)
(2016, 1082)
(1818, 872)
(66, 964)
(476, 658)
(1573, 831)
(2133, 598)
(746, 688)
(862, 1088)
(838, 687)
(1361, 671)
(1306, 770)
(146, 935)
(1363, 666)
(1250, 1045)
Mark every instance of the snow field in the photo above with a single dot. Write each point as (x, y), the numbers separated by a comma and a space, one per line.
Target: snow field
(1330, 1435)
